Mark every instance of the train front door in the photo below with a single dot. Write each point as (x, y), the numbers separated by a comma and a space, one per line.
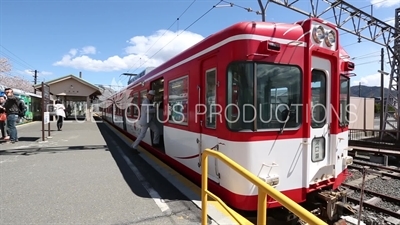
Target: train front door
(207, 111)
(320, 155)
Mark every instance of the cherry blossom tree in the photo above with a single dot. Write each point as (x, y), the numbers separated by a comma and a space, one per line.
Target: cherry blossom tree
(8, 80)
(5, 66)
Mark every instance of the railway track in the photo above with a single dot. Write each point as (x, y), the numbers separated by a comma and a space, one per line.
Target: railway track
(378, 195)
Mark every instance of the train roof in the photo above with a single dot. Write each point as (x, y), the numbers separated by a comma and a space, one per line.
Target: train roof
(19, 92)
(34, 95)
(241, 28)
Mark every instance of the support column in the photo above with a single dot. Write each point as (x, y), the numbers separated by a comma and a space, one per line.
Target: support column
(87, 110)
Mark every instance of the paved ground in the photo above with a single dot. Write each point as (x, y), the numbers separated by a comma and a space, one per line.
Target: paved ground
(84, 174)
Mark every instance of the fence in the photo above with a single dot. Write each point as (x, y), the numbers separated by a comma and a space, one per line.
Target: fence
(263, 191)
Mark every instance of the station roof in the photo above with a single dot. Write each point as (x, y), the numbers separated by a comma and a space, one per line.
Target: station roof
(69, 77)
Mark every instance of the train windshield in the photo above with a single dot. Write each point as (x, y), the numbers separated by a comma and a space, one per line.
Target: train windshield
(344, 100)
(263, 96)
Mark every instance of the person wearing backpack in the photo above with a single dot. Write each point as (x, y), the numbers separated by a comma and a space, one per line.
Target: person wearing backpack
(15, 109)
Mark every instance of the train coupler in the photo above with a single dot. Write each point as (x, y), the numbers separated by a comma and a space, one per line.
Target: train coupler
(336, 204)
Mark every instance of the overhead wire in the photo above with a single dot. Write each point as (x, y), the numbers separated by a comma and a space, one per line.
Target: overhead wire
(199, 18)
(363, 7)
(366, 54)
(363, 63)
(168, 29)
(15, 65)
(344, 33)
(15, 62)
(23, 61)
(248, 9)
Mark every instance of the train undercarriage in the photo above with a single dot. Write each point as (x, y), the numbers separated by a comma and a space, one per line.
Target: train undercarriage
(327, 204)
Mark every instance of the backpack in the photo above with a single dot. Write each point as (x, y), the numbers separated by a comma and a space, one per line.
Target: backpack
(21, 109)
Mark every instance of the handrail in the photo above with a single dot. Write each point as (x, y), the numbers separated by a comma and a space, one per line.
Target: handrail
(263, 190)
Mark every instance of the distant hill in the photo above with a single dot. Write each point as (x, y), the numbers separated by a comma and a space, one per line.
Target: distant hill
(368, 91)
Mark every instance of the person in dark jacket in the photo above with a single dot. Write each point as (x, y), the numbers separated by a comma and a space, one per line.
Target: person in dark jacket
(2, 112)
(15, 108)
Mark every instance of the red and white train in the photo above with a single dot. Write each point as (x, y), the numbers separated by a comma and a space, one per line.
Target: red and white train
(251, 73)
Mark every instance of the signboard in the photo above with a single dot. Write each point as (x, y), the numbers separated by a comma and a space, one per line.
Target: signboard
(45, 105)
(46, 117)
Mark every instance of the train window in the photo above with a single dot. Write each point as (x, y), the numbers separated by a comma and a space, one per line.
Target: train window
(278, 96)
(178, 100)
(318, 99)
(263, 96)
(210, 95)
(344, 100)
(135, 102)
(240, 94)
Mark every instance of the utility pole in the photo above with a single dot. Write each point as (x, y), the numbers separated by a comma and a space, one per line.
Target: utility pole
(35, 80)
(262, 8)
(382, 112)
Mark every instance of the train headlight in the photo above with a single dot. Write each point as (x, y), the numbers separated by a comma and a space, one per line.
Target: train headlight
(318, 149)
(318, 34)
(330, 38)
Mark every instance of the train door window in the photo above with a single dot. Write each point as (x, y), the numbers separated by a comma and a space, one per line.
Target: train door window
(318, 99)
(178, 100)
(240, 94)
(135, 106)
(211, 97)
(158, 87)
(128, 110)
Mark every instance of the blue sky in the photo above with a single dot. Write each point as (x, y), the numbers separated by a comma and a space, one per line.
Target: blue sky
(106, 38)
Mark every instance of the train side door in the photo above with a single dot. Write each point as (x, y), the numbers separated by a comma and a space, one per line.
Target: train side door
(320, 165)
(208, 113)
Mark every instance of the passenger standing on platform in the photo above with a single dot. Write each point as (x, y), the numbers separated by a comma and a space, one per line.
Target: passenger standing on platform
(147, 119)
(15, 109)
(3, 117)
(59, 108)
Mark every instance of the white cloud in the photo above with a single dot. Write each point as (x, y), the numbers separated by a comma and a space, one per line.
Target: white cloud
(88, 50)
(73, 52)
(385, 3)
(371, 80)
(143, 51)
(45, 73)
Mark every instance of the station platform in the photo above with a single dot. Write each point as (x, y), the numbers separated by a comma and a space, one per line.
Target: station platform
(86, 174)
